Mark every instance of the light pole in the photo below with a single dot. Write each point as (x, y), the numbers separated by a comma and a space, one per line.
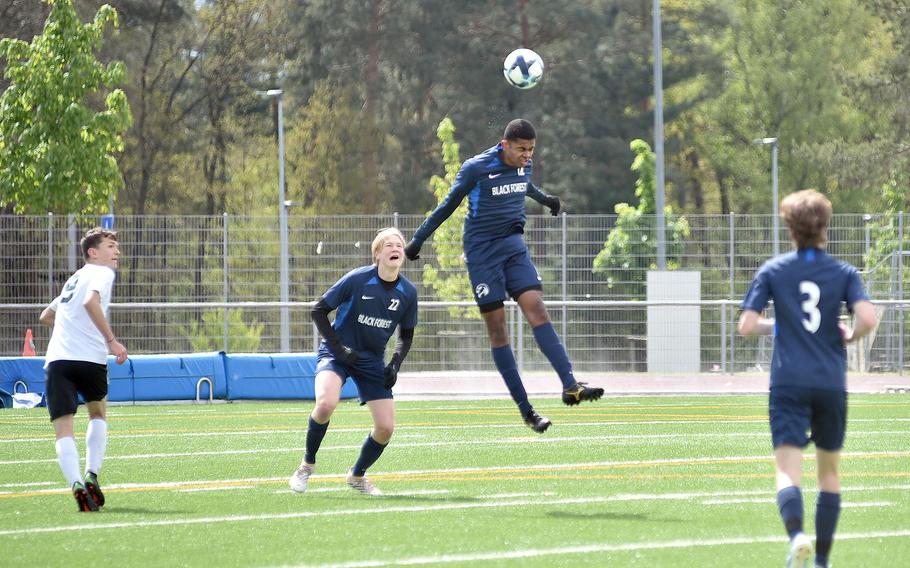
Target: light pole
(659, 135)
(282, 224)
(775, 204)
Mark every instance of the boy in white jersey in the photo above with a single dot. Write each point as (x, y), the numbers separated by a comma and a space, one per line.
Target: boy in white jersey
(76, 362)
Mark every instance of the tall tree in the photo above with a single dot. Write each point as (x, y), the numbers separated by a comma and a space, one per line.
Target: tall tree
(57, 153)
(789, 72)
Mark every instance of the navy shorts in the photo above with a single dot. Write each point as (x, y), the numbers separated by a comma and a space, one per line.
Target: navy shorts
(369, 377)
(67, 379)
(501, 269)
(799, 415)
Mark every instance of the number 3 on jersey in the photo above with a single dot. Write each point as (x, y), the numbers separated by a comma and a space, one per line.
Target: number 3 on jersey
(810, 305)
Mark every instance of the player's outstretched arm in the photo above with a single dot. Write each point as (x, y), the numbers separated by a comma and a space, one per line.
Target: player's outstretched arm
(320, 317)
(405, 338)
(550, 201)
(48, 316)
(864, 321)
(92, 305)
(751, 323)
(464, 180)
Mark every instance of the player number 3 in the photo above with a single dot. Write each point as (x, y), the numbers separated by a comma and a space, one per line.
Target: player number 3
(810, 305)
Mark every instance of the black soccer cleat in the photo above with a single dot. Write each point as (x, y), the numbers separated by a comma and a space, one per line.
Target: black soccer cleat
(93, 489)
(537, 422)
(86, 503)
(581, 391)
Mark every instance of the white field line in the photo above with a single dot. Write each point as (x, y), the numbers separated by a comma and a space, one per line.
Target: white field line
(28, 484)
(524, 440)
(247, 481)
(770, 501)
(591, 548)
(522, 502)
(407, 428)
(414, 493)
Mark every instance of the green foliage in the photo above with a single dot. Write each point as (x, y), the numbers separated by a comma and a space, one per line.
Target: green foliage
(791, 71)
(632, 241)
(208, 335)
(326, 148)
(881, 261)
(56, 152)
(450, 279)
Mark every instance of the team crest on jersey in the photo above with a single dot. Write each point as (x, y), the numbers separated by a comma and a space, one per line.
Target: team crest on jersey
(481, 290)
(521, 171)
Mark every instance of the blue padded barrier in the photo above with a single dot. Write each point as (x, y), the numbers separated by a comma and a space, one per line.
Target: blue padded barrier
(174, 377)
(276, 376)
(119, 380)
(29, 370)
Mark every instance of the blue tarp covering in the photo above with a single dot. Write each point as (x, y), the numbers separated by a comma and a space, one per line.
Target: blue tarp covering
(174, 377)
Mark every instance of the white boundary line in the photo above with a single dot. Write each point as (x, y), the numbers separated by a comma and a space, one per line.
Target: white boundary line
(406, 428)
(604, 547)
(524, 440)
(524, 502)
(410, 435)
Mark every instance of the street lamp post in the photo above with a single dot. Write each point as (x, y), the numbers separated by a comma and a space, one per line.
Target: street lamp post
(282, 225)
(774, 208)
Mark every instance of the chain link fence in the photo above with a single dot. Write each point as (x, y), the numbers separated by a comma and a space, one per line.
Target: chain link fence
(210, 261)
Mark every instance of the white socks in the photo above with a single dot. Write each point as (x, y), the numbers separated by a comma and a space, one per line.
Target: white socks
(68, 456)
(95, 444)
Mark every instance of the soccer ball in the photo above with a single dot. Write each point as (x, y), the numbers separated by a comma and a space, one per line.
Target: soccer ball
(523, 68)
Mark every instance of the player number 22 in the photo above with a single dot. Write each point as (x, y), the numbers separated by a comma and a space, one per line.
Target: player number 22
(810, 305)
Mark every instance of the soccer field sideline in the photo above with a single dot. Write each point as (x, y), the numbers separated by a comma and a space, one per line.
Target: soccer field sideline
(657, 488)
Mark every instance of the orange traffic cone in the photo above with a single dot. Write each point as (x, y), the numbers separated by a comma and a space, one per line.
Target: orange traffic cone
(28, 348)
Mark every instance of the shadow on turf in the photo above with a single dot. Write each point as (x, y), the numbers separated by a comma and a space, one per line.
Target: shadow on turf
(607, 516)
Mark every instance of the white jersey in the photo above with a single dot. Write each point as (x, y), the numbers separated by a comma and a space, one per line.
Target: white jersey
(75, 337)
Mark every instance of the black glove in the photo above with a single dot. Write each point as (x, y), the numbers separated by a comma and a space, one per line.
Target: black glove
(552, 202)
(391, 371)
(346, 355)
(412, 250)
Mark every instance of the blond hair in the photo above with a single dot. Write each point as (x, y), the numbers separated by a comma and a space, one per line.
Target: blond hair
(381, 236)
(807, 213)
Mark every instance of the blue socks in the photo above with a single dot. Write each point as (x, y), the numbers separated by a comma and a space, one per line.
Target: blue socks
(556, 354)
(505, 363)
(827, 509)
(790, 503)
(314, 435)
(369, 453)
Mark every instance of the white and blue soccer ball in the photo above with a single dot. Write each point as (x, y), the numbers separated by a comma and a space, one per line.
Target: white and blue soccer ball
(523, 68)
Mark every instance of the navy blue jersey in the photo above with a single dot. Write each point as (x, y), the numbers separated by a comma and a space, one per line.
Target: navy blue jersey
(807, 287)
(368, 312)
(496, 199)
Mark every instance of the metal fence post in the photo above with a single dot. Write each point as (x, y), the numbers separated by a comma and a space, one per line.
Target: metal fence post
(565, 278)
(732, 291)
(395, 220)
(71, 249)
(520, 332)
(900, 291)
(224, 270)
(50, 256)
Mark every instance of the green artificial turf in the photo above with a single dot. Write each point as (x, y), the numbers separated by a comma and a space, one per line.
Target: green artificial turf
(628, 481)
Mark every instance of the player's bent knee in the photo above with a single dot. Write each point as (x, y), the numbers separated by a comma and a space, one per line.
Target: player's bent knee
(382, 433)
(324, 409)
